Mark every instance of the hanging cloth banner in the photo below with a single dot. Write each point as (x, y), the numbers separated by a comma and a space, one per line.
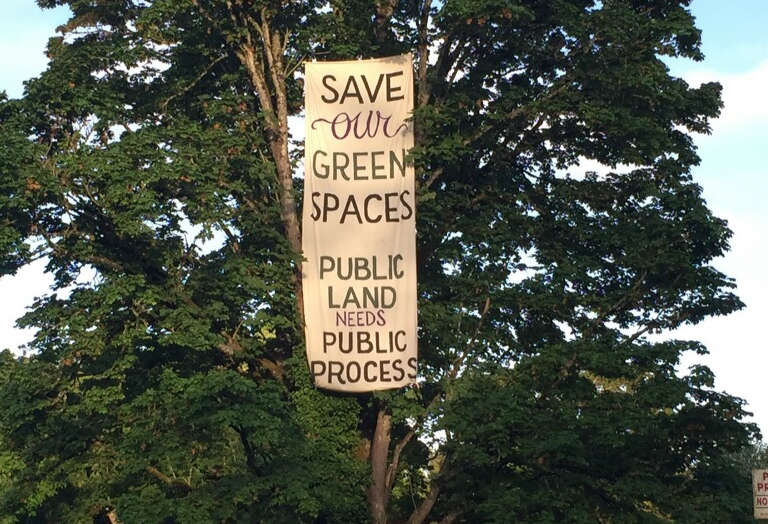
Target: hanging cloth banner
(359, 225)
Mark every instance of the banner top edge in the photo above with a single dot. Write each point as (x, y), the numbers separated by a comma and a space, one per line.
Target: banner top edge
(403, 56)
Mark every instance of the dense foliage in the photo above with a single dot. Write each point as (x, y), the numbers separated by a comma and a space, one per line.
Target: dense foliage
(152, 165)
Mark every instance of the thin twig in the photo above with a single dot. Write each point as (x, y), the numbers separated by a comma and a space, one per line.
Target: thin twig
(457, 363)
(192, 84)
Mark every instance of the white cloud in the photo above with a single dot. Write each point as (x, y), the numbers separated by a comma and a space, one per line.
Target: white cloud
(743, 96)
(18, 292)
(738, 349)
(19, 62)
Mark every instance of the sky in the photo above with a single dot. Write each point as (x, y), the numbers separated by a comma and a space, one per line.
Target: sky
(733, 174)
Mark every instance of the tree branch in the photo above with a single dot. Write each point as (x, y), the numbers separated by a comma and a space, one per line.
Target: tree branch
(421, 513)
(394, 464)
(424, 88)
(164, 103)
(276, 122)
(384, 11)
(250, 457)
(451, 517)
(165, 479)
(457, 363)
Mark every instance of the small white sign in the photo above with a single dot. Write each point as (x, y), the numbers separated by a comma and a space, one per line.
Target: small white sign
(760, 492)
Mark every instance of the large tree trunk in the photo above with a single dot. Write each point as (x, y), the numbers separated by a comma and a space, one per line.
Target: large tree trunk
(378, 492)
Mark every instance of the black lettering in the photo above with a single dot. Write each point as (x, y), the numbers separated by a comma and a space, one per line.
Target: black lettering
(338, 167)
(395, 266)
(330, 299)
(366, 207)
(400, 346)
(351, 298)
(365, 371)
(331, 373)
(362, 272)
(356, 378)
(315, 207)
(371, 297)
(364, 338)
(414, 370)
(393, 159)
(379, 347)
(351, 91)
(329, 339)
(357, 166)
(390, 210)
(406, 205)
(376, 275)
(341, 275)
(341, 343)
(315, 371)
(330, 203)
(391, 90)
(384, 371)
(392, 297)
(325, 172)
(397, 366)
(331, 89)
(351, 209)
(323, 269)
(379, 167)
(372, 96)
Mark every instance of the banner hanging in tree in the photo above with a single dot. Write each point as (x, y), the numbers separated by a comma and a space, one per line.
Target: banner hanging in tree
(359, 227)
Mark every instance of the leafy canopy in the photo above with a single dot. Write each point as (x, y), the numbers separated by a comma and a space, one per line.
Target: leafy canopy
(152, 166)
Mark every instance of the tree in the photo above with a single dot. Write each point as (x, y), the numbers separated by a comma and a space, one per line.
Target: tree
(152, 166)
(754, 456)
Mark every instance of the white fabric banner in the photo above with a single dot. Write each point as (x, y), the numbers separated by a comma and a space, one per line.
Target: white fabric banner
(359, 227)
